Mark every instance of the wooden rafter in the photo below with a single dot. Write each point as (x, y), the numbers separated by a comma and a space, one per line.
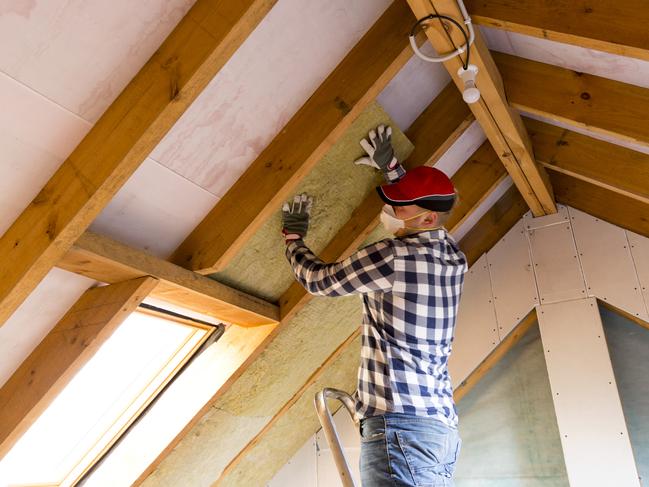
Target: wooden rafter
(615, 27)
(125, 134)
(603, 203)
(63, 352)
(502, 125)
(315, 128)
(610, 166)
(103, 259)
(436, 128)
(598, 104)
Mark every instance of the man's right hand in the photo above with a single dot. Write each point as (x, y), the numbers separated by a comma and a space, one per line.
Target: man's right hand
(380, 154)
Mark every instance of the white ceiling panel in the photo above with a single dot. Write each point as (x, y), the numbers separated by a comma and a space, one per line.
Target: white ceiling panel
(36, 135)
(81, 54)
(612, 66)
(257, 92)
(155, 210)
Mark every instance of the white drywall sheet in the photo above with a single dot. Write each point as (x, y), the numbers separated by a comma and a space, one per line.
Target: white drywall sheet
(607, 264)
(556, 266)
(594, 436)
(640, 253)
(512, 278)
(476, 330)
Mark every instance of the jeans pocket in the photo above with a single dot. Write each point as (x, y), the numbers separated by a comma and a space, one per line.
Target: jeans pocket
(425, 455)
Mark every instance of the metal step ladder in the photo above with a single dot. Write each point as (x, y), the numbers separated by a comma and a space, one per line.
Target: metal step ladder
(329, 428)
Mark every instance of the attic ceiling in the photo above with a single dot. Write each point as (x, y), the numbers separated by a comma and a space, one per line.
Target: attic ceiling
(62, 64)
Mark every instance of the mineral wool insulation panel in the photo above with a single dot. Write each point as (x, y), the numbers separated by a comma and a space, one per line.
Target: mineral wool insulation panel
(476, 331)
(587, 404)
(606, 260)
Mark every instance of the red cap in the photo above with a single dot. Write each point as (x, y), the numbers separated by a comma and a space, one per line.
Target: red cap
(423, 186)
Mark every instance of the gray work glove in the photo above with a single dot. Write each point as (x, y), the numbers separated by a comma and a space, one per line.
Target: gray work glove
(380, 154)
(295, 217)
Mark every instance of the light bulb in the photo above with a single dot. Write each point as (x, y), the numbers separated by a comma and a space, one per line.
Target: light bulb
(471, 93)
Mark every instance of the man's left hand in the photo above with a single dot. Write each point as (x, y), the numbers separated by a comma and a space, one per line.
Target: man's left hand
(295, 217)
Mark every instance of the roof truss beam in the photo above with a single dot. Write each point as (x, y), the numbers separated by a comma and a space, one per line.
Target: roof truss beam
(615, 27)
(607, 107)
(106, 260)
(502, 125)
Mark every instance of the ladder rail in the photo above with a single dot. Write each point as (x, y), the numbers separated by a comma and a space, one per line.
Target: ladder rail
(329, 428)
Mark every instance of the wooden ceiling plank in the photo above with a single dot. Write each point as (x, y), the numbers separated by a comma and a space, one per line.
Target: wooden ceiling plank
(122, 138)
(615, 27)
(502, 125)
(610, 166)
(305, 139)
(591, 102)
(106, 260)
(63, 352)
(602, 203)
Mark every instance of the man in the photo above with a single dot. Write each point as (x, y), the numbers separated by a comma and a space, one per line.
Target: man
(410, 287)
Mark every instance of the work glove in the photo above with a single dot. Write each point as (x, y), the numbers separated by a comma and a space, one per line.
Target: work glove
(380, 154)
(295, 217)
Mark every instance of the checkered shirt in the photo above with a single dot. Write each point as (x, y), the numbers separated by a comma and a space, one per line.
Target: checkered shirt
(410, 288)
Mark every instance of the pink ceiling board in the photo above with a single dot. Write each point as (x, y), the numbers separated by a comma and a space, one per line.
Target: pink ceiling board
(81, 53)
(257, 92)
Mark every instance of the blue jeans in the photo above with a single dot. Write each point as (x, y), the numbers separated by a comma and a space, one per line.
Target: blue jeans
(404, 450)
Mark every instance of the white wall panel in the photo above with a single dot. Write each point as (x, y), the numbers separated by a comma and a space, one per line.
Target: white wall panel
(155, 210)
(556, 266)
(300, 470)
(350, 440)
(512, 278)
(640, 253)
(607, 264)
(476, 330)
(594, 436)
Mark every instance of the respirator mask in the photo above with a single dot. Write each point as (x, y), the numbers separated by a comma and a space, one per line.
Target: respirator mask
(393, 224)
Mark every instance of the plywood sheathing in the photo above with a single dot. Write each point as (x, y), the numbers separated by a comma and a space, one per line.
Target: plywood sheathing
(337, 185)
(293, 428)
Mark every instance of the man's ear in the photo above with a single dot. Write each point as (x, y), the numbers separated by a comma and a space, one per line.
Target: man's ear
(430, 218)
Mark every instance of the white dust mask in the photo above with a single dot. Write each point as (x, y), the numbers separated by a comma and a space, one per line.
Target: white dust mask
(393, 224)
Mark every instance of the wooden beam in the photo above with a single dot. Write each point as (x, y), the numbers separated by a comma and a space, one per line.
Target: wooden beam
(321, 121)
(602, 203)
(598, 104)
(434, 131)
(493, 225)
(502, 125)
(610, 166)
(495, 356)
(125, 134)
(63, 352)
(103, 259)
(615, 27)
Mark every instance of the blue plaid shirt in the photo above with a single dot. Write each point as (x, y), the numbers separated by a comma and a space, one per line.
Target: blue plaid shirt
(410, 287)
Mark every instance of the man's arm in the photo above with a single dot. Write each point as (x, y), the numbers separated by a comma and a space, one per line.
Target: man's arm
(368, 270)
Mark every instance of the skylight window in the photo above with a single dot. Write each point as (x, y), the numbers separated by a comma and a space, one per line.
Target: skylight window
(102, 400)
